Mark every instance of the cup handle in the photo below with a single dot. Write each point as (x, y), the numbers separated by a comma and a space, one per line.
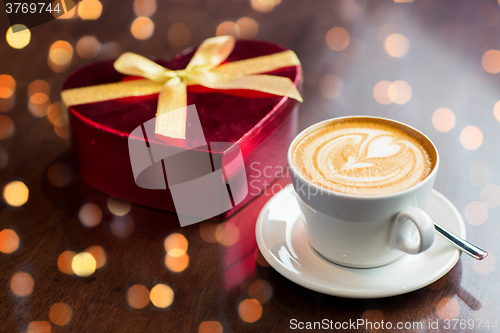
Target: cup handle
(403, 236)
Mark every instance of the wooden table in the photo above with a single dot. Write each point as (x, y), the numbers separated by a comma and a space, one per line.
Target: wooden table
(222, 283)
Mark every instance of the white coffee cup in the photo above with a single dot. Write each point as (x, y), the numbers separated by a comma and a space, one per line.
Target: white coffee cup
(364, 231)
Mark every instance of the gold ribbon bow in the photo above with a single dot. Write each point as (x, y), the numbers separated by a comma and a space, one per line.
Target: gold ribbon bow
(204, 69)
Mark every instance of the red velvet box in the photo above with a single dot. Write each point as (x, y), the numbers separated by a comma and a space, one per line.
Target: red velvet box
(262, 125)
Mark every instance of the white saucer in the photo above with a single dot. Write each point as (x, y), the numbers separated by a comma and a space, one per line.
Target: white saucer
(282, 241)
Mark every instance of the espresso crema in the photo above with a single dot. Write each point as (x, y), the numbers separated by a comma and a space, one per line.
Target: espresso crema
(362, 157)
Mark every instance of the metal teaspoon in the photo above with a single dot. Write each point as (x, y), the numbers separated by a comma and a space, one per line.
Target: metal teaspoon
(461, 244)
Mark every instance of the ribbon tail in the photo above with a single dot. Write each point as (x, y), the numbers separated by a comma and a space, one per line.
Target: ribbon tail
(257, 65)
(110, 91)
(172, 111)
(275, 85)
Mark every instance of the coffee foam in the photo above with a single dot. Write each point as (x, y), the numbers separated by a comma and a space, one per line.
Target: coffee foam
(363, 157)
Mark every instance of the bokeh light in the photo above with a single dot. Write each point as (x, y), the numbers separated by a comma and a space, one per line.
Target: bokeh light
(443, 119)
(471, 137)
(176, 245)
(90, 215)
(396, 45)
(161, 296)
(144, 7)
(491, 61)
(60, 314)
(57, 114)
(64, 262)
(122, 226)
(39, 98)
(178, 34)
(177, 264)
(118, 207)
(142, 28)
(7, 103)
(260, 290)
(39, 327)
(210, 327)
(62, 131)
(250, 310)
(448, 308)
(207, 231)
(89, 9)
(330, 86)
(480, 174)
(22, 284)
(249, 28)
(476, 213)
(99, 255)
(403, 1)
(176, 259)
(88, 47)
(485, 266)
(7, 86)
(83, 264)
(19, 39)
(38, 86)
(399, 92)
(381, 92)
(349, 10)
(228, 28)
(138, 296)
(227, 233)
(39, 101)
(373, 316)
(490, 195)
(263, 6)
(6, 127)
(16, 193)
(9, 241)
(39, 109)
(61, 53)
(496, 110)
(337, 38)
(60, 56)
(59, 175)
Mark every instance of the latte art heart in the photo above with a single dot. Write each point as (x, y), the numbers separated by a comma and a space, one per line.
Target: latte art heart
(362, 157)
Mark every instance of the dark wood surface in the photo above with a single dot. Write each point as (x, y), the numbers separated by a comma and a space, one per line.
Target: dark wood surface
(447, 41)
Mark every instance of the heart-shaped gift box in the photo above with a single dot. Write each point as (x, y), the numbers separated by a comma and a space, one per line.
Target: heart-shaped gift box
(261, 125)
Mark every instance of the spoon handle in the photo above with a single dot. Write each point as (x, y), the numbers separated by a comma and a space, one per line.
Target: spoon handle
(461, 244)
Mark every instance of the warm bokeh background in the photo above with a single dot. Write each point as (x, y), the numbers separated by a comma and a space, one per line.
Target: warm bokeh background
(431, 64)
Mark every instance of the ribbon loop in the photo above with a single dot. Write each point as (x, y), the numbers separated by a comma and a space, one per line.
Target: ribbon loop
(212, 52)
(137, 65)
